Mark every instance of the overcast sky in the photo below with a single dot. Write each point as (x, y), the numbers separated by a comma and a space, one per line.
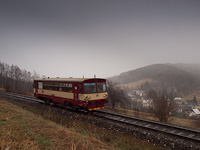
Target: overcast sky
(72, 38)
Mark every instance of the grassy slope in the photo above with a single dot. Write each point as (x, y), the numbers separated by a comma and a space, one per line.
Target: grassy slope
(22, 129)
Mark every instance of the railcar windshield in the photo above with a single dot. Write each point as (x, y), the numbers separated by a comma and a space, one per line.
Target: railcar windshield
(94, 87)
(101, 87)
(89, 87)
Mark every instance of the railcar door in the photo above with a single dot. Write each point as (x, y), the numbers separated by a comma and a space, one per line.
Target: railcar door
(76, 89)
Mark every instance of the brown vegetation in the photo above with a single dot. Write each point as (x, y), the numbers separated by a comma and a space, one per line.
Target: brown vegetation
(163, 104)
(190, 96)
(23, 130)
(116, 95)
(43, 127)
(196, 123)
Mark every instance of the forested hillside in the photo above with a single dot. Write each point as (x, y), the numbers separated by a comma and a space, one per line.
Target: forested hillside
(16, 79)
(183, 78)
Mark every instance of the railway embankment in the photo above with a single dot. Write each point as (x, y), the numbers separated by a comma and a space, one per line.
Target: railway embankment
(22, 129)
(25, 125)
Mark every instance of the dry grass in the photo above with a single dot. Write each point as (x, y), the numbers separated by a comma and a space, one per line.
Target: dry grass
(24, 93)
(18, 92)
(115, 139)
(20, 129)
(190, 96)
(32, 129)
(133, 113)
(185, 122)
(1, 89)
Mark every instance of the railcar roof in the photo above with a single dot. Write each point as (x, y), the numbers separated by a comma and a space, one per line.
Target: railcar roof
(65, 79)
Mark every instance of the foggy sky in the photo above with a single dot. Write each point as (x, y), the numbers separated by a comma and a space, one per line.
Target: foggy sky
(72, 38)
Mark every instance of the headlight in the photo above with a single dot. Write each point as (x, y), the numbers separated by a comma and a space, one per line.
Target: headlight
(105, 95)
(86, 97)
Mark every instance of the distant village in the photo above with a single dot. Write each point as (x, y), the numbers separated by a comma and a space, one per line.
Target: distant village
(185, 109)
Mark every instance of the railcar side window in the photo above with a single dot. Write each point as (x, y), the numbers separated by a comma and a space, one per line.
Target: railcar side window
(44, 85)
(40, 86)
(68, 87)
(101, 87)
(89, 87)
(55, 88)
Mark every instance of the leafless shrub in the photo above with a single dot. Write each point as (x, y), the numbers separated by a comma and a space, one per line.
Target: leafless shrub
(163, 104)
(116, 94)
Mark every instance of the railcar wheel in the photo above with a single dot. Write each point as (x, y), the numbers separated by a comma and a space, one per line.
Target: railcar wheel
(68, 104)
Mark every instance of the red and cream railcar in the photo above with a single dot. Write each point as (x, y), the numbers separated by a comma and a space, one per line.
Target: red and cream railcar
(89, 93)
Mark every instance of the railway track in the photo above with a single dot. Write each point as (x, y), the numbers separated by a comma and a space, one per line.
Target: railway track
(20, 97)
(179, 132)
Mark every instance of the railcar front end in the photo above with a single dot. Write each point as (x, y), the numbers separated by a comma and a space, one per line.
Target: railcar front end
(94, 94)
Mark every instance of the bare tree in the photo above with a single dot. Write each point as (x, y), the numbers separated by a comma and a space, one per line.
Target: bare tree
(2, 69)
(35, 75)
(13, 78)
(7, 76)
(17, 76)
(163, 104)
(115, 94)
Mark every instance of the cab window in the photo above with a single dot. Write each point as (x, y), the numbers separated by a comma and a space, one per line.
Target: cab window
(89, 87)
(101, 87)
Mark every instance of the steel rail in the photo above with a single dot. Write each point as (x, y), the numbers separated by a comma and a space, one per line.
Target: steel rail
(177, 131)
(21, 97)
(32, 99)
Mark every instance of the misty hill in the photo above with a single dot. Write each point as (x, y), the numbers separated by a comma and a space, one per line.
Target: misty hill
(192, 68)
(185, 78)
